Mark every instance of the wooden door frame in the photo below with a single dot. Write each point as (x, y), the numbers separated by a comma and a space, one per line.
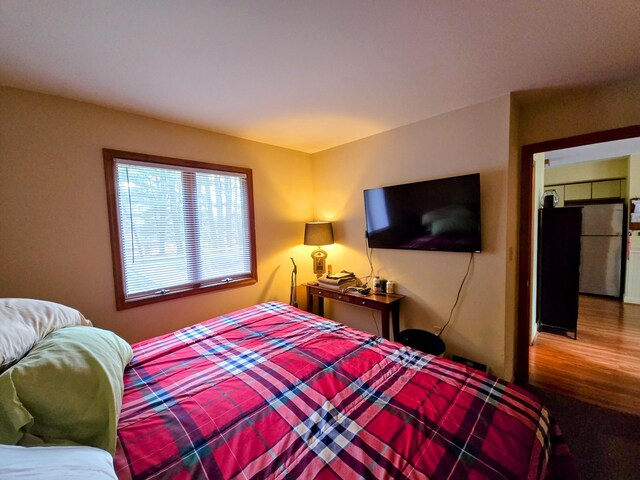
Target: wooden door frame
(523, 331)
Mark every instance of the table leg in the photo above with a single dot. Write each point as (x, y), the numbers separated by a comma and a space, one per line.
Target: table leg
(384, 319)
(321, 306)
(309, 301)
(395, 316)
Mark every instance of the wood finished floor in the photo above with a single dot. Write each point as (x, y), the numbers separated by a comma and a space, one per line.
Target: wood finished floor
(602, 366)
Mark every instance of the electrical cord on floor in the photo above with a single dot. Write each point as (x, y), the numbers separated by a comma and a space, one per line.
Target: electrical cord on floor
(457, 296)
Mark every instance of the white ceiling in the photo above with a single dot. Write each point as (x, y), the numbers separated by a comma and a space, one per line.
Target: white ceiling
(310, 75)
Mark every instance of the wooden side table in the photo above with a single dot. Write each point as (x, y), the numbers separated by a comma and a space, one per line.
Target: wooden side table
(387, 304)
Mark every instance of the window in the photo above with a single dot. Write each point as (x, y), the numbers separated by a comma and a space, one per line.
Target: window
(178, 227)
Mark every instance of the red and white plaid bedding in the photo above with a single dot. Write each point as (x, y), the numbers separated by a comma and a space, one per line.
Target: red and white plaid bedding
(274, 392)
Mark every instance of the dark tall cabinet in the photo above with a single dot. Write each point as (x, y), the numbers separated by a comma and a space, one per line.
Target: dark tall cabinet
(559, 268)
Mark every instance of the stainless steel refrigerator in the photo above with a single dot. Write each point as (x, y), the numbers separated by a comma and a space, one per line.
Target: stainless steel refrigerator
(601, 252)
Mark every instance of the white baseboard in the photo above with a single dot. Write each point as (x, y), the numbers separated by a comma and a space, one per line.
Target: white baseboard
(631, 300)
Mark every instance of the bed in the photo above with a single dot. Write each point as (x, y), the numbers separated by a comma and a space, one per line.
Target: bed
(274, 392)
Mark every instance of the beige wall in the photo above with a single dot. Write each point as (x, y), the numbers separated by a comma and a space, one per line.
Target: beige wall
(474, 139)
(478, 138)
(54, 231)
(590, 110)
(513, 210)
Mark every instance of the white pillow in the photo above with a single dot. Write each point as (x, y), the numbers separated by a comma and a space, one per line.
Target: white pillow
(24, 322)
(55, 463)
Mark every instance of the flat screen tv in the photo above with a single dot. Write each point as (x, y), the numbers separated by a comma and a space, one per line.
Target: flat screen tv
(442, 214)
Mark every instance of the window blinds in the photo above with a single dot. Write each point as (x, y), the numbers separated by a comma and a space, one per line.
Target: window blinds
(181, 227)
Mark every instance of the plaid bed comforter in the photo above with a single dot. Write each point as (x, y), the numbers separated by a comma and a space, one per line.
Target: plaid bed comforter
(274, 392)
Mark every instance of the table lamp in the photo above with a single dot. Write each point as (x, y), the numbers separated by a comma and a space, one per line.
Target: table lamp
(318, 234)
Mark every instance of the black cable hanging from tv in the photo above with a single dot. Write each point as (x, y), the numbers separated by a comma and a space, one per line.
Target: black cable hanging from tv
(369, 252)
(457, 296)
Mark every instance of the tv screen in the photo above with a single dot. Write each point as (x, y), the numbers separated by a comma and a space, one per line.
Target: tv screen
(442, 214)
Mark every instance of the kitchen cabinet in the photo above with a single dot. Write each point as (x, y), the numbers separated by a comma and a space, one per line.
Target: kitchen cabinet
(615, 188)
(577, 191)
(607, 189)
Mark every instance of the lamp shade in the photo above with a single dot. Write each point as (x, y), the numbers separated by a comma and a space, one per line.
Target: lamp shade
(318, 233)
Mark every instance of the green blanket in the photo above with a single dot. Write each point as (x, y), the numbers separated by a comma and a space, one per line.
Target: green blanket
(66, 391)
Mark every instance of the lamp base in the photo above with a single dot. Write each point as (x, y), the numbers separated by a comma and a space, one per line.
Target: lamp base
(319, 257)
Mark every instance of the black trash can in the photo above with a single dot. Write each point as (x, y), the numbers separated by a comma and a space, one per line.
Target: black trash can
(422, 340)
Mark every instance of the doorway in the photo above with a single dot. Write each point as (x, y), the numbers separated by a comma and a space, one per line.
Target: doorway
(523, 332)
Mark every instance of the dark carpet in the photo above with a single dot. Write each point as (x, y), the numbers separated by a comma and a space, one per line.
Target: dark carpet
(605, 443)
